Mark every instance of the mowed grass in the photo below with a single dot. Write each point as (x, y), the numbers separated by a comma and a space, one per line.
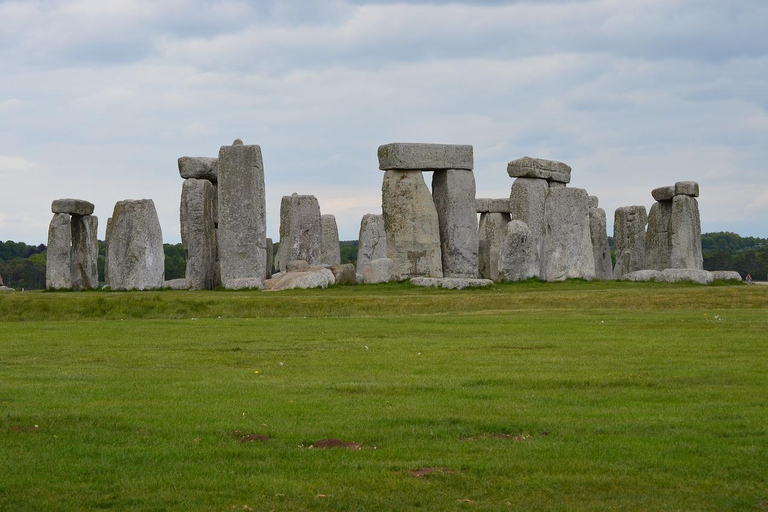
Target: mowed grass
(565, 396)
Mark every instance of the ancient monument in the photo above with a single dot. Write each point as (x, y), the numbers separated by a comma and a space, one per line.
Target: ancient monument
(73, 247)
(135, 259)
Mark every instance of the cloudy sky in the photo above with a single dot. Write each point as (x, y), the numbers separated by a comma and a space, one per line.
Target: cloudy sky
(99, 98)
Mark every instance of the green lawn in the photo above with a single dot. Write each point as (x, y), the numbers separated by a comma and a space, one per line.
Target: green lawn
(564, 396)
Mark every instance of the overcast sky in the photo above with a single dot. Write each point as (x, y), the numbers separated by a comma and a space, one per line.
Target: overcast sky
(99, 98)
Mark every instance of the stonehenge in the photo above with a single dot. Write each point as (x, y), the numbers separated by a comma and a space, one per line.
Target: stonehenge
(330, 254)
(73, 247)
(566, 251)
(371, 243)
(629, 239)
(300, 231)
(599, 235)
(673, 239)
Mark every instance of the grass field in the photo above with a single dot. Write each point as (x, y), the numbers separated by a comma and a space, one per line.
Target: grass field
(563, 396)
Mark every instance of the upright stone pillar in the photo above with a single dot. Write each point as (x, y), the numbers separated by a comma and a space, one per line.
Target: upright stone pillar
(658, 238)
(629, 239)
(58, 273)
(686, 228)
(106, 251)
(453, 191)
(490, 238)
(242, 234)
(526, 204)
(567, 249)
(331, 252)
(300, 231)
(372, 242)
(198, 233)
(599, 234)
(270, 257)
(85, 252)
(519, 254)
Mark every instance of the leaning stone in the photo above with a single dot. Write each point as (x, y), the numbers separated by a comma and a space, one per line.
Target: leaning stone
(85, 252)
(72, 206)
(245, 283)
(198, 233)
(313, 277)
(454, 194)
(600, 249)
(567, 249)
(242, 233)
(176, 284)
(330, 251)
(685, 234)
(372, 242)
(677, 275)
(378, 271)
(658, 238)
(526, 201)
(490, 237)
(518, 255)
(549, 170)
(300, 230)
(451, 283)
(641, 275)
(424, 157)
(135, 253)
(199, 167)
(629, 239)
(726, 275)
(486, 205)
(344, 273)
(663, 193)
(687, 188)
(58, 270)
(411, 224)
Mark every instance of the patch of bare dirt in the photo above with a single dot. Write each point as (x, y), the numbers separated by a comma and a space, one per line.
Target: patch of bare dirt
(335, 443)
(25, 429)
(422, 472)
(511, 437)
(250, 438)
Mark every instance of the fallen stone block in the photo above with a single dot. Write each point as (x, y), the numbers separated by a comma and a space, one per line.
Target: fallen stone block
(641, 275)
(677, 275)
(451, 283)
(726, 275)
(344, 273)
(176, 284)
(312, 277)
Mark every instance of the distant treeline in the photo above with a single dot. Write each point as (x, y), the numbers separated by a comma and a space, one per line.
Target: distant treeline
(729, 251)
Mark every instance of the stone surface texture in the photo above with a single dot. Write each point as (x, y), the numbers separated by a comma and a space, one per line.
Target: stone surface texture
(424, 157)
(242, 225)
(519, 254)
(629, 239)
(677, 275)
(199, 167)
(198, 233)
(658, 238)
(453, 191)
(135, 253)
(58, 271)
(600, 249)
(566, 252)
(344, 273)
(372, 242)
(594, 202)
(549, 170)
(270, 257)
(450, 283)
(300, 230)
(411, 225)
(330, 250)
(378, 271)
(663, 193)
(726, 275)
(176, 284)
(687, 188)
(641, 275)
(490, 237)
(85, 252)
(685, 228)
(526, 201)
(72, 206)
(487, 205)
(311, 277)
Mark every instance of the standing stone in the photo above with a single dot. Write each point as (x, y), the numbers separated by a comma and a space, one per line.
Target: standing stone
(270, 257)
(378, 271)
(372, 242)
(658, 239)
(198, 233)
(453, 191)
(490, 237)
(599, 235)
(300, 231)
(106, 251)
(686, 234)
(526, 203)
(135, 253)
(567, 249)
(59, 255)
(411, 225)
(629, 239)
(242, 233)
(330, 251)
(85, 252)
(519, 254)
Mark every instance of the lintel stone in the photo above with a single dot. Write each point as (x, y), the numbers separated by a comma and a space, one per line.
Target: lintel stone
(405, 156)
(549, 170)
(72, 206)
(487, 205)
(664, 193)
(687, 188)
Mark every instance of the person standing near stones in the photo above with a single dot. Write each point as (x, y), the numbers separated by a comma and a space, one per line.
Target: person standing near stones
(749, 279)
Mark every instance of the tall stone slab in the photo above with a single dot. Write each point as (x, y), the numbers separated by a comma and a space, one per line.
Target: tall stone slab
(85, 252)
(600, 249)
(566, 252)
(330, 251)
(526, 204)
(686, 234)
(519, 254)
(411, 225)
(300, 231)
(242, 233)
(58, 273)
(106, 251)
(490, 237)
(372, 242)
(270, 257)
(198, 233)
(658, 238)
(135, 256)
(453, 191)
(629, 239)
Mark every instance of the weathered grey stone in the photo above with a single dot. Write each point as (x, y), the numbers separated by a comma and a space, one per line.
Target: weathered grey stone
(6, 289)
(199, 167)
(85, 252)
(555, 184)
(296, 266)
(372, 242)
(330, 251)
(566, 252)
(58, 270)
(270, 257)
(344, 273)
(526, 201)
(451, 283)
(453, 191)
(487, 205)
(311, 277)
(658, 239)
(600, 249)
(242, 233)
(106, 252)
(629, 239)
(594, 202)
(244, 283)
(198, 233)
(410, 221)
(519, 254)
(135, 253)
(687, 188)
(300, 230)
(424, 157)
(726, 275)
(686, 234)
(72, 206)
(663, 193)
(378, 271)
(641, 275)
(176, 284)
(678, 275)
(490, 237)
(549, 170)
